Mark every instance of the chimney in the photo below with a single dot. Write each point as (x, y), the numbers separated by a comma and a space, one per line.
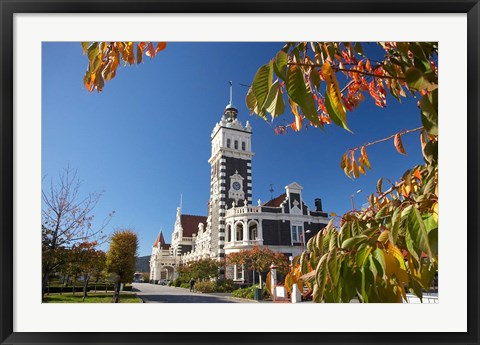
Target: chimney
(318, 205)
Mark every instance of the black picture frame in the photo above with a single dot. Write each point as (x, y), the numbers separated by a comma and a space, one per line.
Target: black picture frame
(10, 7)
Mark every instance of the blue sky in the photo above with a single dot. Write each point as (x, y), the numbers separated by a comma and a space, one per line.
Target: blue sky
(145, 140)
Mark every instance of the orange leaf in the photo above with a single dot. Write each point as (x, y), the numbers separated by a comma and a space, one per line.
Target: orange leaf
(417, 175)
(160, 46)
(150, 51)
(365, 157)
(356, 172)
(298, 122)
(398, 144)
(139, 54)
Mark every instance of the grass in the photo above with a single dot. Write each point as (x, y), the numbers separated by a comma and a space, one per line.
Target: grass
(125, 297)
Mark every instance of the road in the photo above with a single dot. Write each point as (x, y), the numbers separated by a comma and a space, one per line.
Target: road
(166, 294)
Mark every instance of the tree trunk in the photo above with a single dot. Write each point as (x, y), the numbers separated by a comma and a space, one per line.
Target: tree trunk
(116, 293)
(46, 278)
(73, 288)
(85, 288)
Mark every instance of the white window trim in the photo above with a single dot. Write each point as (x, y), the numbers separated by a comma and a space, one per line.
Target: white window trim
(299, 238)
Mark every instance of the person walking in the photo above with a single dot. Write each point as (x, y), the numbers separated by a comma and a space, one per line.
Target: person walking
(192, 285)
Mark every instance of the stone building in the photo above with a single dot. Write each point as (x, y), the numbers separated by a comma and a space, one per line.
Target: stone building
(283, 224)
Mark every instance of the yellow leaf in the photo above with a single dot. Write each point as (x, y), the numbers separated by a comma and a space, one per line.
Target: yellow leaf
(435, 211)
(356, 172)
(333, 97)
(398, 144)
(297, 124)
(383, 236)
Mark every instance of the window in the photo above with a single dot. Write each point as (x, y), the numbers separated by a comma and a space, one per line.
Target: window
(252, 231)
(238, 272)
(228, 143)
(243, 146)
(229, 233)
(239, 232)
(236, 145)
(297, 233)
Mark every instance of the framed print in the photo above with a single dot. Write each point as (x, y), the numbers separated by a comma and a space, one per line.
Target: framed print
(321, 184)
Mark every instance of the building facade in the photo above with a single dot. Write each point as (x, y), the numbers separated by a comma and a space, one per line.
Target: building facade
(283, 224)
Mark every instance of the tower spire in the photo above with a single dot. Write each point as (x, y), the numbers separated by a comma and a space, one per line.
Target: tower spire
(230, 111)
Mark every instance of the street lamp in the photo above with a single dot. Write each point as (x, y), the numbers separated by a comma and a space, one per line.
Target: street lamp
(351, 198)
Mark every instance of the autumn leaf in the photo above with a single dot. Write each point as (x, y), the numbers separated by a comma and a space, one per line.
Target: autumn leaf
(160, 46)
(398, 144)
(150, 50)
(333, 98)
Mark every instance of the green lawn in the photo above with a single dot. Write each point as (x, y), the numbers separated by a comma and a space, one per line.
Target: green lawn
(100, 297)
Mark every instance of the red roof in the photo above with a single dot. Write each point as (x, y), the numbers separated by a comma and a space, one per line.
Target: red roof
(190, 224)
(276, 202)
(161, 240)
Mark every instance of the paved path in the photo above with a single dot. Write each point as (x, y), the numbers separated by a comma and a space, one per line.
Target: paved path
(151, 293)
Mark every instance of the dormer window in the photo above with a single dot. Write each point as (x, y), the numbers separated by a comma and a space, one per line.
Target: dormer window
(236, 144)
(228, 143)
(243, 146)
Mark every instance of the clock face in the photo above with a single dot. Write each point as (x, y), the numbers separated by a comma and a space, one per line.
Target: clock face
(236, 185)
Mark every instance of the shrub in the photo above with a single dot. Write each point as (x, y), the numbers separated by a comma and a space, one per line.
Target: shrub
(248, 292)
(185, 285)
(226, 285)
(59, 289)
(206, 286)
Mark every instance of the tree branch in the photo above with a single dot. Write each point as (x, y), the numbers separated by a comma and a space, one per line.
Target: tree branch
(386, 139)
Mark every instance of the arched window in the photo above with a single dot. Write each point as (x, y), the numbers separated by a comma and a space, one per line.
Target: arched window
(229, 233)
(239, 232)
(228, 142)
(243, 146)
(252, 231)
(236, 145)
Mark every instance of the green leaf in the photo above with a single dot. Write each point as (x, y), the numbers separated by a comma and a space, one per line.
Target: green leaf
(300, 93)
(333, 240)
(251, 102)
(93, 51)
(396, 220)
(379, 256)
(261, 85)
(382, 212)
(417, 80)
(433, 240)
(334, 114)
(354, 241)
(315, 78)
(384, 236)
(274, 103)
(333, 98)
(321, 276)
(429, 109)
(85, 46)
(362, 253)
(280, 64)
(332, 268)
(416, 235)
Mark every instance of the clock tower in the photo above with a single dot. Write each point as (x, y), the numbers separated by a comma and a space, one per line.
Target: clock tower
(231, 174)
